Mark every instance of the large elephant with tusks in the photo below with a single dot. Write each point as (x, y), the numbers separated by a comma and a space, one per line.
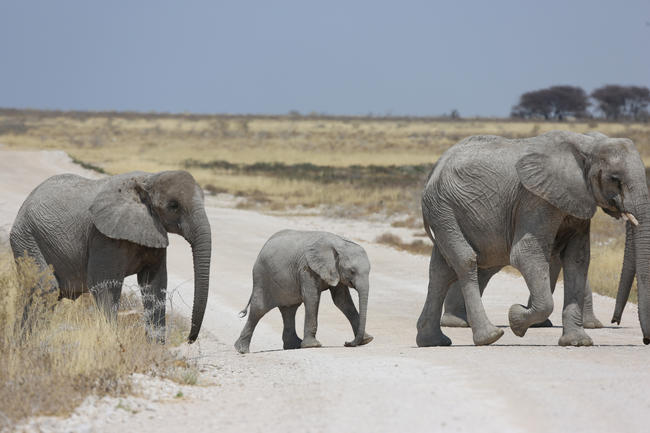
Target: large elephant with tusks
(492, 201)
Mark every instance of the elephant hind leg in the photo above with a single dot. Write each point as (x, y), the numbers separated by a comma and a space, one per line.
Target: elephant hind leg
(26, 248)
(455, 314)
(441, 275)
(290, 339)
(463, 259)
(257, 310)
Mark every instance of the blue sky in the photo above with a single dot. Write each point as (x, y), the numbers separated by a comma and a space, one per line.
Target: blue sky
(336, 57)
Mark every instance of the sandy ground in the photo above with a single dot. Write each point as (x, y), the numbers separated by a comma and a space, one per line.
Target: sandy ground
(518, 384)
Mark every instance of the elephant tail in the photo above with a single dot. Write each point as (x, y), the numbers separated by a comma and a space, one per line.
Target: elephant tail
(244, 312)
(427, 228)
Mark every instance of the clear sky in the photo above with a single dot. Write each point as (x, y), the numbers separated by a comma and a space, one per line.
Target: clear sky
(336, 57)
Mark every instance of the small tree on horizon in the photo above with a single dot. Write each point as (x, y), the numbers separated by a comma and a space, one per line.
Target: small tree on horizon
(556, 102)
(622, 102)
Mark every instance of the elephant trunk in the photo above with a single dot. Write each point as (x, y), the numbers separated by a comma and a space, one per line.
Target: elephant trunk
(199, 236)
(642, 259)
(360, 332)
(627, 274)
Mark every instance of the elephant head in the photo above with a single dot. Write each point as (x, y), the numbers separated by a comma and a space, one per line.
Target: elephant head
(336, 260)
(577, 173)
(142, 208)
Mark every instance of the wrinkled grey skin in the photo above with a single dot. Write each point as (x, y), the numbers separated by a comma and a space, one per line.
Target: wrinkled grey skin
(492, 201)
(95, 233)
(455, 315)
(293, 268)
(629, 269)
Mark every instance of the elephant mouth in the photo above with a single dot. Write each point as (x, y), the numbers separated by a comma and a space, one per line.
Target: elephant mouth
(617, 211)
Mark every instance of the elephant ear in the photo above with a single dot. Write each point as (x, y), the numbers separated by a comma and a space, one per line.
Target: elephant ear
(556, 173)
(122, 210)
(321, 259)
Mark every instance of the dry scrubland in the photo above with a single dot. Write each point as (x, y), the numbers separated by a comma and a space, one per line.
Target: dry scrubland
(67, 350)
(351, 167)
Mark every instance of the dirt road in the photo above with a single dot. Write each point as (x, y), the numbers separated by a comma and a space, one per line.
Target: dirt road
(518, 384)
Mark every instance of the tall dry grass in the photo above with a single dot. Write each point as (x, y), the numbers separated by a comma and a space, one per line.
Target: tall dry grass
(65, 350)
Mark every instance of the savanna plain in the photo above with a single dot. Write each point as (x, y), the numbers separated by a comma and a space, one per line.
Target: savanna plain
(358, 169)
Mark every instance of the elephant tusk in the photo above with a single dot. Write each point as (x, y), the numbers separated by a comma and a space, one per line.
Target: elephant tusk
(629, 217)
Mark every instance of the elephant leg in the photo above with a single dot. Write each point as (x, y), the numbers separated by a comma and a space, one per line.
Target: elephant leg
(311, 298)
(343, 300)
(257, 310)
(290, 339)
(47, 284)
(441, 276)
(463, 259)
(455, 315)
(153, 286)
(107, 294)
(589, 319)
(575, 260)
(555, 266)
(528, 255)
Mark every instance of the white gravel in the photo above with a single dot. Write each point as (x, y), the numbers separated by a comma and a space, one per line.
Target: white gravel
(518, 384)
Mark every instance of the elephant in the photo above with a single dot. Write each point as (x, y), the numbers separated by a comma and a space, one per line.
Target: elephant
(493, 201)
(294, 267)
(96, 232)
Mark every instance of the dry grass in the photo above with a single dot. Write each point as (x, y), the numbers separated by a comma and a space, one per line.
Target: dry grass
(263, 158)
(67, 350)
(415, 247)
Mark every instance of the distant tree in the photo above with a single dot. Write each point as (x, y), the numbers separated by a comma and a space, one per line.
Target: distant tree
(622, 102)
(556, 102)
(454, 114)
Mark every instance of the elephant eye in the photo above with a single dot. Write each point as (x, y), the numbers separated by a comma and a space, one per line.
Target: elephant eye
(173, 205)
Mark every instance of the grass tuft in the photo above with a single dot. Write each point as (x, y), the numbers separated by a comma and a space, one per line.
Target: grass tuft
(66, 350)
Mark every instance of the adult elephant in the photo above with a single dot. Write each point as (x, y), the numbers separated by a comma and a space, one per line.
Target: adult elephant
(492, 201)
(94, 233)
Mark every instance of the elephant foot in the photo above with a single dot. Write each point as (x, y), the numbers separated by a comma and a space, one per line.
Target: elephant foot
(310, 342)
(291, 343)
(488, 335)
(589, 321)
(437, 339)
(519, 318)
(451, 320)
(545, 324)
(241, 346)
(367, 338)
(575, 337)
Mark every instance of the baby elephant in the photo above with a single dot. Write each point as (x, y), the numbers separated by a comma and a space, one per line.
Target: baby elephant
(294, 267)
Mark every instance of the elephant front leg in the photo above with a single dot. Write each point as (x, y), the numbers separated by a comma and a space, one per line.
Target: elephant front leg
(106, 292)
(529, 257)
(589, 319)
(290, 339)
(575, 261)
(343, 301)
(311, 299)
(153, 287)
